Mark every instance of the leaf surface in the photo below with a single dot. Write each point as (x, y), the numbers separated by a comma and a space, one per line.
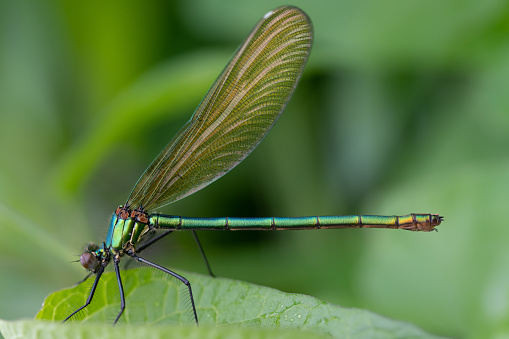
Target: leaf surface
(156, 300)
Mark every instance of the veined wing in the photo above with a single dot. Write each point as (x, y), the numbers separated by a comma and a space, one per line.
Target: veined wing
(235, 115)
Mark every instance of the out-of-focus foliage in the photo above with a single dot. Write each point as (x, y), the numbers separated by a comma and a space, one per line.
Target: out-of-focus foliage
(402, 108)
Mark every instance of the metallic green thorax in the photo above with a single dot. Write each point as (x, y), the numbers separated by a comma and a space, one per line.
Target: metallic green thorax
(126, 228)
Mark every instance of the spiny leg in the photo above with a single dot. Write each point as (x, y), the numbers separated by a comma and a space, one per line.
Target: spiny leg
(203, 253)
(179, 277)
(147, 244)
(91, 295)
(160, 236)
(120, 288)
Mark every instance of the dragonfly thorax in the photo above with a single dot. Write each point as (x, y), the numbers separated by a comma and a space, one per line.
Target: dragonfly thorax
(127, 227)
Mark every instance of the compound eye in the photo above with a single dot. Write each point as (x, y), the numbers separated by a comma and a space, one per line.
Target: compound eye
(89, 261)
(91, 247)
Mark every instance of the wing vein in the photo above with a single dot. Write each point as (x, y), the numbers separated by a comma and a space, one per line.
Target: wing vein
(235, 115)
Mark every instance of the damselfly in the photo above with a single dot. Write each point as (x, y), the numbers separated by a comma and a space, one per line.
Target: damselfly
(235, 115)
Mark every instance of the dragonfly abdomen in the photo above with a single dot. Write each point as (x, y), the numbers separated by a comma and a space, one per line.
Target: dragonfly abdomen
(413, 222)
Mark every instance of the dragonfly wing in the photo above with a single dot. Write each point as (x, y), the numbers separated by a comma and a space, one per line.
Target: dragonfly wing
(235, 115)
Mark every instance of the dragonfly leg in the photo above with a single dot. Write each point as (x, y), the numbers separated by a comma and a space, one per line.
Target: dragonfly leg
(91, 295)
(147, 244)
(120, 288)
(203, 253)
(162, 235)
(179, 277)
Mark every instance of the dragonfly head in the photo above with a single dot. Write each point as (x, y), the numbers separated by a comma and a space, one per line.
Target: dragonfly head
(93, 256)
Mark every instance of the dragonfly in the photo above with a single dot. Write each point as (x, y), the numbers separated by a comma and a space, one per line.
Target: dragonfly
(238, 111)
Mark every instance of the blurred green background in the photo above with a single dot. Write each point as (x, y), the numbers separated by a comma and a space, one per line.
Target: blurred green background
(403, 107)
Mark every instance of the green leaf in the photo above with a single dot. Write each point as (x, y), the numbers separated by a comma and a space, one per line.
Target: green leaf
(156, 300)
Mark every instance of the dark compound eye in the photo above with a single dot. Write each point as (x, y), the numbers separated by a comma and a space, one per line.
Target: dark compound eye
(89, 261)
(91, 247)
